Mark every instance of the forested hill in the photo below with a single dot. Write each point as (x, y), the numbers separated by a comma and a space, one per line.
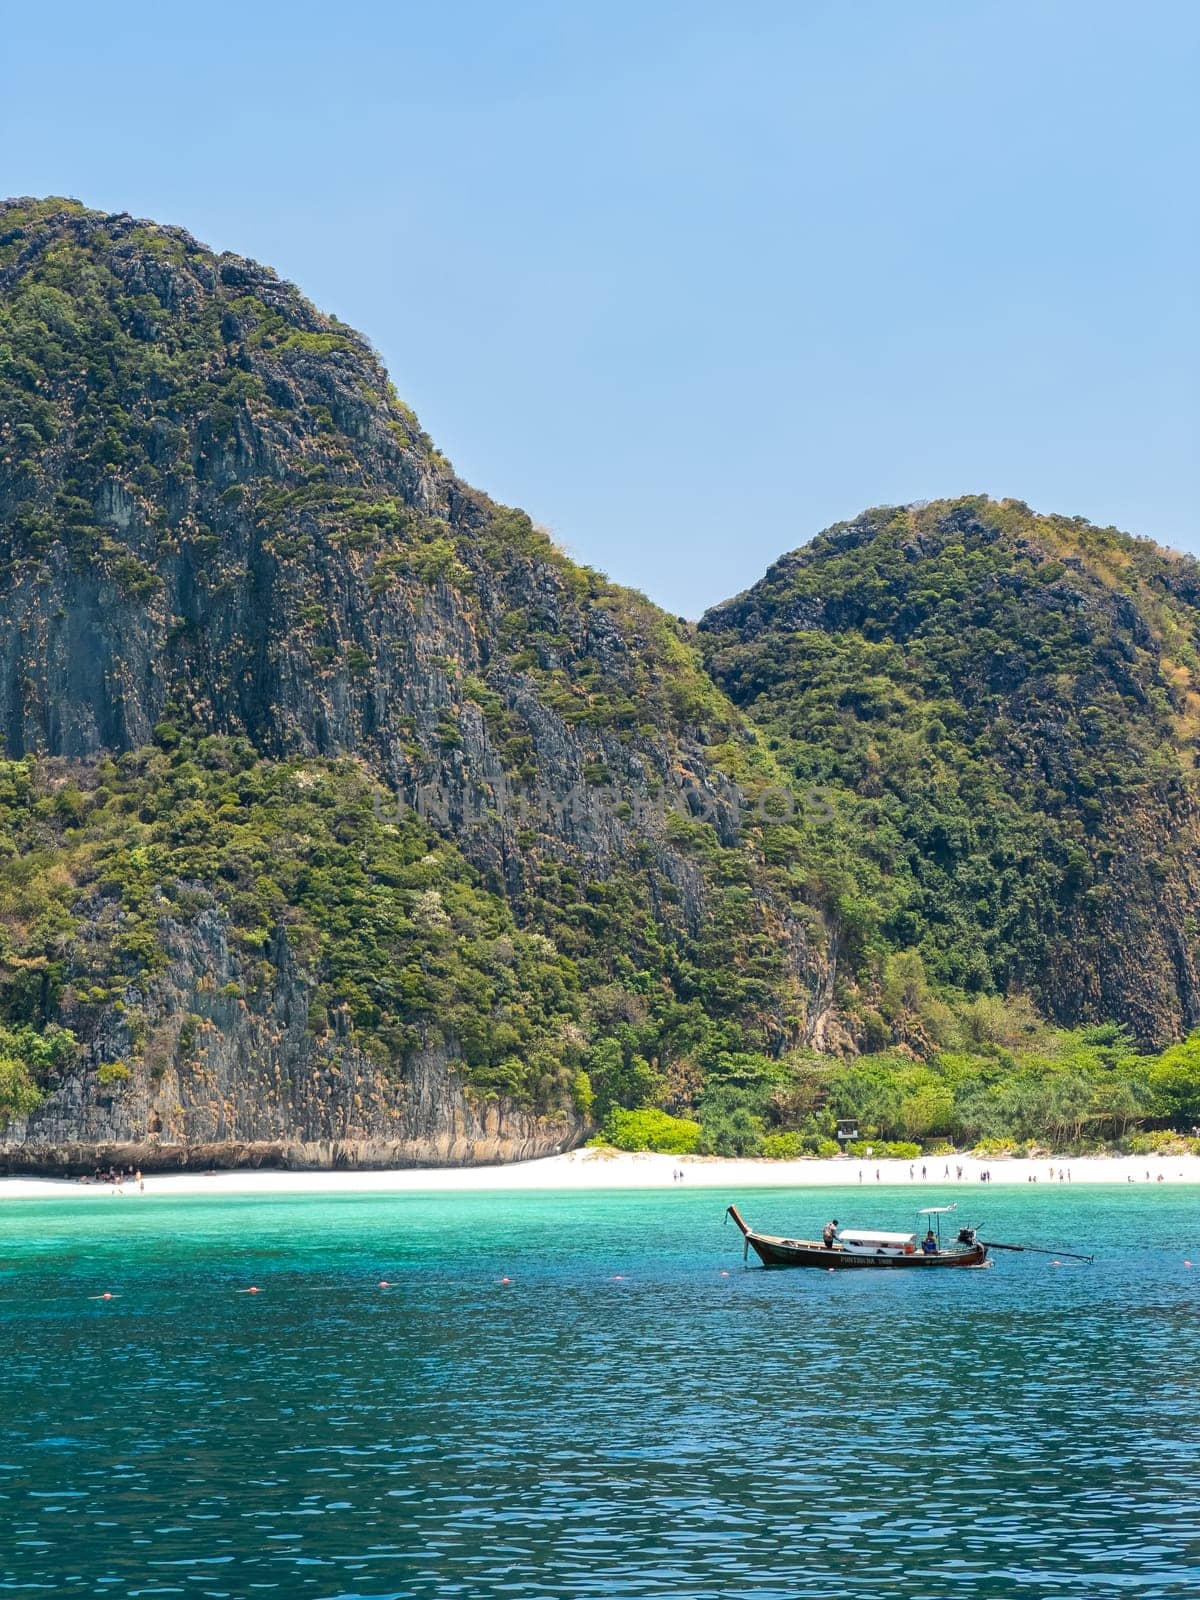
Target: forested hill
(1005, 709)
(251, 620)
(344, 819)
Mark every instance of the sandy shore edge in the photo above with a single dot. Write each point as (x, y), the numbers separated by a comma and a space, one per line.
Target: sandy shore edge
(602, 1169)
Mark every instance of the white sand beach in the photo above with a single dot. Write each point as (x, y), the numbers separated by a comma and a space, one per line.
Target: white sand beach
(610, 1169)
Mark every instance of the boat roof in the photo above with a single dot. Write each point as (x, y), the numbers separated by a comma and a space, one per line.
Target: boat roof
(873, 1236)
(936, 1211)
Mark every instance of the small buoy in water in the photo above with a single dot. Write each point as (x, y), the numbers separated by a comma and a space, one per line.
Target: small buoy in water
(384, 1284)
(253, 1289)
(1187, 1263)
(828, 1269)
(618, 1277)
(1056, 1263)
(505, 1280)
(105, 1296)
(724, 1274)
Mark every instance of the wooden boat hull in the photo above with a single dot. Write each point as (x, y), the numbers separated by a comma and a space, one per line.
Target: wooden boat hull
(776, 1252)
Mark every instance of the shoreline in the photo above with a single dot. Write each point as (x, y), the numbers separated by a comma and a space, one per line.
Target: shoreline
(587, 1170)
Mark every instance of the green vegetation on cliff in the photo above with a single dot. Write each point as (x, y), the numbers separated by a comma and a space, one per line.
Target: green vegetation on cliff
(1002, 1081)
(1002, 711)
(233, 566)
(711, 889)
(315, 873)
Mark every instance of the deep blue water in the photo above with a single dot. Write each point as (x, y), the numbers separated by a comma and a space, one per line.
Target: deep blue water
(621, 1419)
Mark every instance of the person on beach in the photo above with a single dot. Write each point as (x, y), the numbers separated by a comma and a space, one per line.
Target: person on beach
(924, 1174)
(876, 1174)
(829, 1233)
(138, 1178)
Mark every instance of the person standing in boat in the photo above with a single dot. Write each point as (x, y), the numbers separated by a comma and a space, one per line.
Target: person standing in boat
(829, 1233)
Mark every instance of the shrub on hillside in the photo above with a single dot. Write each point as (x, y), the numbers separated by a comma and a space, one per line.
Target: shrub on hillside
(793, 1144)
(650, 1129)
(1161, 1142)
(884, 1150)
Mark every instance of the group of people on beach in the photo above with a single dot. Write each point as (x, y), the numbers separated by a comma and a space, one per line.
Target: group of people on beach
(984, 1177)
(116, 1178)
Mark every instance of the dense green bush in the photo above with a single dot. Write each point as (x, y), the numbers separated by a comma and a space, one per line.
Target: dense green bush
(1162, 1142)
(884, 1149)
(793, 1144)
(19, 1095)
(29, 1058)
(650, 1129)
(995, 1147)
(1175, 1082)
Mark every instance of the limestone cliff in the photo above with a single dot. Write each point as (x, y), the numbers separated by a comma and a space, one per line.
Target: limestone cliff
(227, 549)
(343, 818)
(1005, 710)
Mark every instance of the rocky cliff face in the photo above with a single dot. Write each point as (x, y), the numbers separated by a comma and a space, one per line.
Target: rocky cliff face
(218, 521)
(227, 518)
(224, 1082)
(1005, 708)
(344, 818)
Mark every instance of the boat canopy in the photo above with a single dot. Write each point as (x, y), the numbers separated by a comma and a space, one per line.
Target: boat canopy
(936, 1211)
(870, 1236)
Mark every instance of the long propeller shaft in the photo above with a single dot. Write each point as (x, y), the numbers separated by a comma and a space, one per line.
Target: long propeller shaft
(1037, 1250)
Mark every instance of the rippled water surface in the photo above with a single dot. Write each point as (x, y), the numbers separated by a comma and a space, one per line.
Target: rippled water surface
(621, 1419)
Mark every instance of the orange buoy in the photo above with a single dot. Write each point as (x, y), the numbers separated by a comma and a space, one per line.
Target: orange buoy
(106, 1295)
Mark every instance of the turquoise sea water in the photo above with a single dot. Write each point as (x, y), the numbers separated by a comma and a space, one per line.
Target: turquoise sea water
(619, 1420)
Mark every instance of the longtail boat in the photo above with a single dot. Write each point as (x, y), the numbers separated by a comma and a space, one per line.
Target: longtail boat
(868, 1247)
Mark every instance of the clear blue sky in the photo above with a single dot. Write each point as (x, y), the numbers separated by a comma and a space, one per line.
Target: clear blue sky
(691, 281)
